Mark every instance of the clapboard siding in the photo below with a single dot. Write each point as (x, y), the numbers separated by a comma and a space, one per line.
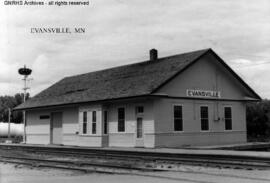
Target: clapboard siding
(195, 138)
(72, 125)
(82, 140)
(38, 139)
(206, 74)
(192, 134)
(127, 138)
(37, 130)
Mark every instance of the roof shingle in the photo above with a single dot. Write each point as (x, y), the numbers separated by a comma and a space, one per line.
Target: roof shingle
(119, 82)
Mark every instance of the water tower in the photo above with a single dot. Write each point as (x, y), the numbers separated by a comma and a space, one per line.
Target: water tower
(25, 72)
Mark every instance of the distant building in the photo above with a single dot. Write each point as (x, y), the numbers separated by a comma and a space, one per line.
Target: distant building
(187, 99)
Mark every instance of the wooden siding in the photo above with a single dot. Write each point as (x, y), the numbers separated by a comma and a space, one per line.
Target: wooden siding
(127, 138)
(196, 138)
(192, 134)
(206, 74)
(38, 130)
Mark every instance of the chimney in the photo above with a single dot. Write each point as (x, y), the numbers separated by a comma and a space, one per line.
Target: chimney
(153, 54)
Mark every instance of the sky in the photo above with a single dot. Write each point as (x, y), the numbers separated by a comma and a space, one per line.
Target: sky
(121, 32)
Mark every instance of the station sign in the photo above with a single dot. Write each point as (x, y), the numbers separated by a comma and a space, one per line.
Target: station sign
(203, 93)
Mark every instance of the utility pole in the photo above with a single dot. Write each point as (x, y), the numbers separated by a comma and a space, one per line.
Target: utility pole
(25, 72)
(9, 115)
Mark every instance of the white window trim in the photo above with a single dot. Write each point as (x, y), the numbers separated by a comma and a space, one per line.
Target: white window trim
(88, 122)
(175, 131)
(201, 118)
(224, 118)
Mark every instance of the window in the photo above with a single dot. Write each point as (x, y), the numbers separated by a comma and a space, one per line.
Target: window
(139, 109)
(44, 117)
(204, 118)
(84, 122)
(121, 119)
(228, 118)
(178, 118)
(94, 122)
(105, 122)
(94, 116)
(139, 128)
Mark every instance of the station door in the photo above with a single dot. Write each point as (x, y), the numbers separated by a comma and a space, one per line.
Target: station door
(139, 135)
(56, 128)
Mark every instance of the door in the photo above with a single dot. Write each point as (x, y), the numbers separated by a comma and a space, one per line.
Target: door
(56, 128)
(139, 133)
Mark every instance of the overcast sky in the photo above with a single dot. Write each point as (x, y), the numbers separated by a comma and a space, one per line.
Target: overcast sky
(120, 32)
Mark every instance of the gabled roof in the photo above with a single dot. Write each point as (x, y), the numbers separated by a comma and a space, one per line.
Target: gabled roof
(139, 79)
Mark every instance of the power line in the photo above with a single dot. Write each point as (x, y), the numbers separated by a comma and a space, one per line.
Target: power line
(247, 55)
(255, 64)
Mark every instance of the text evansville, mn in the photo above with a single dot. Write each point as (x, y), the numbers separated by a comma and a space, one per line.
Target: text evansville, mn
(58, 30)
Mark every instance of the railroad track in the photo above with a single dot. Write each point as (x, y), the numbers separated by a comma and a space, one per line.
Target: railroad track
(222, 161)
(89, 167)
(85, 166)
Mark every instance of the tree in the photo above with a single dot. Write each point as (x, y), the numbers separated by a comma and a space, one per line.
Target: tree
(258, 119)
(7, 102)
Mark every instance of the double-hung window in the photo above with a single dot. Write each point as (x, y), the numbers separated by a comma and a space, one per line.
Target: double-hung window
(105, 122)
(94, 122)
(204, 118)
(84, 126)
(139, 110)
(121, 119)
(178, 118)
(228, 118)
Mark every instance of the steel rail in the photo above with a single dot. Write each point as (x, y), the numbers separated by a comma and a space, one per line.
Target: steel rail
(193, 159)
(262, 163)
(74, 165)
(135, 154)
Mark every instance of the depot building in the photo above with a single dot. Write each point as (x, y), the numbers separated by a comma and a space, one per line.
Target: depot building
(188, 99)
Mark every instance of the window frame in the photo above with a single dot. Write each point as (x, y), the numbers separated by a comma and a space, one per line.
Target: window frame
(137, 109)
(227, 106)
(201, 130)
(182, 107)
(122, 120)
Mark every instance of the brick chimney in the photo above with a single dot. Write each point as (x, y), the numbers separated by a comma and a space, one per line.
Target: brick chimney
(153, 54)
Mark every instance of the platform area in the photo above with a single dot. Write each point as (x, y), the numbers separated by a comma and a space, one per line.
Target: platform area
(209, 150)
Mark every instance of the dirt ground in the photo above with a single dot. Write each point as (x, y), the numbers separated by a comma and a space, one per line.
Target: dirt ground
(10, 173)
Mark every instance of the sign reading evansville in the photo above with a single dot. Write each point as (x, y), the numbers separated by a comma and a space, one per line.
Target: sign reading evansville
(203, 93)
